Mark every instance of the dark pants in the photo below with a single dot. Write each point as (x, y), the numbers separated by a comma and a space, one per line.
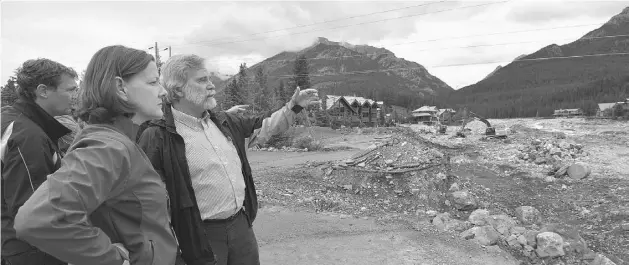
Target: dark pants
(233, 241)
(33, 256)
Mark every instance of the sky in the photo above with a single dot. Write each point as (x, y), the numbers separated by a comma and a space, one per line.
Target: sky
(460, 42)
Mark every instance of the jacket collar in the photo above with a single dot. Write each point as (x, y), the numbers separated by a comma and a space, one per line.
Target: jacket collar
(53, 128)
(126, 126)
(168, 121)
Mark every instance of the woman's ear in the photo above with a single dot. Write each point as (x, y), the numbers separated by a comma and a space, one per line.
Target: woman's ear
(121, 89)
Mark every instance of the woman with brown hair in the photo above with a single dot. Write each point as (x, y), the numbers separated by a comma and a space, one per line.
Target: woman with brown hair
(106, 199)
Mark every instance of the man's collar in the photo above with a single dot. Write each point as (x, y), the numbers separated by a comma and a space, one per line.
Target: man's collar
(53, 128)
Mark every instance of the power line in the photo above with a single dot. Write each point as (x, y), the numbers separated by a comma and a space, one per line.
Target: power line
(344, 26)
(430, 49)
(318, 23)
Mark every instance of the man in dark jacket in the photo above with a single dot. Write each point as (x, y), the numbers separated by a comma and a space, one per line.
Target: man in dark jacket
(29, 150)
(202, 157)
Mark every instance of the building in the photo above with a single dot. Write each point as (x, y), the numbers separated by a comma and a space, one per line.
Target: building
(609, 109)
(605, 109)
(353, 110)
(425, 114)
(568, 112)
(446, 115)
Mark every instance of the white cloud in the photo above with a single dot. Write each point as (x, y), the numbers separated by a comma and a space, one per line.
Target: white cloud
(225, 32)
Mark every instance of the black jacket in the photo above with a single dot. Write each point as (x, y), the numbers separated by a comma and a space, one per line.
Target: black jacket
(31, 155)
(166, 150)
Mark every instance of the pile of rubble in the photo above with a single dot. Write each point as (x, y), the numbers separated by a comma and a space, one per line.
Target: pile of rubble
(282, 149)
(524, 232)
(393, 154)
(547, 151)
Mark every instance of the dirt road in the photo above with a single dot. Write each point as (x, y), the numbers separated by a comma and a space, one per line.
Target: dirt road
(297, 236)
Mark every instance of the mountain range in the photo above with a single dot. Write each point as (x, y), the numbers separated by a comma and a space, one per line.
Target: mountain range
(556, 76)
(345, 69)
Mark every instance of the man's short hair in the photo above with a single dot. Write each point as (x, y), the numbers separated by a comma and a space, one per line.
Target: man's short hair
(175, 73)
(40, 71)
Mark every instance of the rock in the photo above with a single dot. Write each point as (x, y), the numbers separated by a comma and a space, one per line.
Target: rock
(470, 233)
(464, 201)
(579, 171)
(362, 164)
(549, 179)
(454, 187)
(518, 230)
(564, 145)
(531, 237)
(484, 235)
(602, 260)
(549, 244)
(574, 241)
(555, 151)
(528, 215)
(347, 187)
(479, 217)
(502, 223)
(522, 240)
(562, 171)
(388, 162)
(512, 240)
(540, 160)
(536, 142)
(445, 223)
(431, 213)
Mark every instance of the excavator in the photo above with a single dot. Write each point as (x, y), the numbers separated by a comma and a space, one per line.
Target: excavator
(489, 131)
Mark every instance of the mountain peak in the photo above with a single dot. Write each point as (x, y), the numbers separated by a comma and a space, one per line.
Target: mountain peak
(323, 40)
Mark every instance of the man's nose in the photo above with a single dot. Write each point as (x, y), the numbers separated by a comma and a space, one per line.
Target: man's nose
(210, 85)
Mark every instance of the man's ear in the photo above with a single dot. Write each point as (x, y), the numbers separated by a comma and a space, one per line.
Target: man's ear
(41, 91)
(121, 89)
(179, 92)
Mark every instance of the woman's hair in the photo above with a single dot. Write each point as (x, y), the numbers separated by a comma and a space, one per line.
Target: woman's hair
(98, 96)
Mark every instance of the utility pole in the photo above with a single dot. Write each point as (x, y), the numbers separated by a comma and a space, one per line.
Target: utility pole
(157, 58)
(156, 52)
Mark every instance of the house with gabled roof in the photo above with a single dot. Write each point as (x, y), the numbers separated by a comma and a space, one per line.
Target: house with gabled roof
(425, 114)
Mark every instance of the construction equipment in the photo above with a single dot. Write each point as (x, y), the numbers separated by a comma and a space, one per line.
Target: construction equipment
(489, 131)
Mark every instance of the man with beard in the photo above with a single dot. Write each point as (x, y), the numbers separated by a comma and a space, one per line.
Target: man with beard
(202, 157)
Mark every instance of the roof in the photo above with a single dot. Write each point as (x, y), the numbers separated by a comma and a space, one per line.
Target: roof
(605, 106)
(415, 114)
(441, 111)
(427, 109)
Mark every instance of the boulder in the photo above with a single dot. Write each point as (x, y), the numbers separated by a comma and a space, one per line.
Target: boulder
(573, 241)
(602, 260)
(531, 237)
(454, 187)
(464, 200)
(484, 235)
(549, 244)
(528, 215)
(518, 230)
(445, 223)
(579, 171)
(502, 223)
(479, 217)
(562, 171)
(512, 240)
